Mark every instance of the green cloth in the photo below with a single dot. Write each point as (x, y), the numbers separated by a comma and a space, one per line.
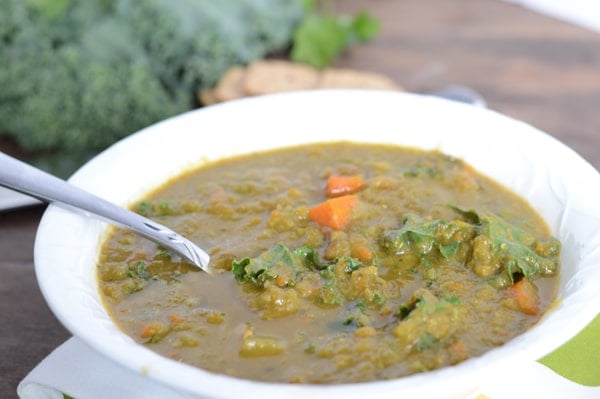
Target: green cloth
(579, 359)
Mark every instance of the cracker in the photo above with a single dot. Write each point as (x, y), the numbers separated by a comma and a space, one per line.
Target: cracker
(353, 79)
(231, 85)
(264, 77)
(207, 97)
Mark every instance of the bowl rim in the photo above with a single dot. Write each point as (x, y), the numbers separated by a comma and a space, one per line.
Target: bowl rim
(252, 113)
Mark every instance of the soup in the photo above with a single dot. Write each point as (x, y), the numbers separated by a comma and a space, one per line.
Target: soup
(334, 263)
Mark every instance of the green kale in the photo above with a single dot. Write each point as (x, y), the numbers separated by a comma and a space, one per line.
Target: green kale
(277, 262)
(286, 265)
(498, 250)
(426, 320)
(513, 250)
(78, 75)
(138, 270)
(426, 302)
(320, 37)
(424, 237)
(354, 315)
(158, 208)
(426, 341)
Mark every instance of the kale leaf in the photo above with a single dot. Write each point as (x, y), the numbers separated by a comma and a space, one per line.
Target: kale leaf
(498, 250)
(277, 262)
(423, 237)
(514, 250)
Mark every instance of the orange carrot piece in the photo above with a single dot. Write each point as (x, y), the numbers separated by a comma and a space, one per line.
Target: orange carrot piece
(526, 297)
(173, 318)
(150, 329)
(281, 281)
(458, 351)
(457, 347)
(342, 185)
(334, 212)
(362, 252)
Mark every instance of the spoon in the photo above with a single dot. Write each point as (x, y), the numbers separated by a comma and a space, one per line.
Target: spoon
(460, 93)
(21, 177)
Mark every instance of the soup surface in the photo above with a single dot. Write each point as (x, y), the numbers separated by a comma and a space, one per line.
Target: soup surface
(334, 263)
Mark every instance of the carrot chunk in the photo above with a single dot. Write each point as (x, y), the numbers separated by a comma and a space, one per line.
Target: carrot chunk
(334, 212)
(176, 319)
(342, 185)
(362, 252)
(152, 329)
(526, 297)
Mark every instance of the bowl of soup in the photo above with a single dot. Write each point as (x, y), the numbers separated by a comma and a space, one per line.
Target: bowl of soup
(362, 243)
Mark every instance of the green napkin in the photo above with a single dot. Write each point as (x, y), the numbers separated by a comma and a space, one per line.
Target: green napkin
(579, 359)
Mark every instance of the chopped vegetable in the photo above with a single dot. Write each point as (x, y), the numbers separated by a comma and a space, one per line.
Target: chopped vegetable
(158, 208)
(175, 319)
(525, 295)
(366, 331)
(279, 263)
(341, 185)
(363, 253)
(426, 341)
(138, 270)
(335, 212)
(422, 237)
(426, 320)
(154, 332)
(499, 251)
(510, 250)
(259, 346)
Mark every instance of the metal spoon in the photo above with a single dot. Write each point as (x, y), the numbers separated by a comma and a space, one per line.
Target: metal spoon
(26, 179)
(460, 93)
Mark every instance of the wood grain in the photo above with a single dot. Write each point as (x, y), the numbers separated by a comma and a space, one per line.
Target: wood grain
(528, 66)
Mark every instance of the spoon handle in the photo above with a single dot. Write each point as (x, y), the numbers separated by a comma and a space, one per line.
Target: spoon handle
(26, 179)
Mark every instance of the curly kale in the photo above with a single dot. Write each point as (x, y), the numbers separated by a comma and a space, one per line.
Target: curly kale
(79, 75)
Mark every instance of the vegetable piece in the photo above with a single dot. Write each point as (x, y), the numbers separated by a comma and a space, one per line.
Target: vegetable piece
(78, 75)
(422, 237)
(426, 320)
(366, 331)
(458, 350)
(138, 270)
(158, 208)
(363, 253)
(279, 263)
(499, 250)
(335, 212)
(154, 332)
(275, 302)
(341, 185)
(512, 251)
(426, 341)
(259, 346)
(525, 294)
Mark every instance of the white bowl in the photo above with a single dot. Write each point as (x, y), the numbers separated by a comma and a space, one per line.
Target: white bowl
(559, 184)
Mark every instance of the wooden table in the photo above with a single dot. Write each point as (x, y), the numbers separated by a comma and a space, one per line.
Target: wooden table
(526, 65)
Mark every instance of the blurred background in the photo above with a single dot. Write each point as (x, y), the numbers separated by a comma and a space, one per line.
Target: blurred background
(77, 76)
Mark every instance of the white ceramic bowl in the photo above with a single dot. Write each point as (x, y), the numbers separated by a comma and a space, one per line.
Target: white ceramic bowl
(560, 184)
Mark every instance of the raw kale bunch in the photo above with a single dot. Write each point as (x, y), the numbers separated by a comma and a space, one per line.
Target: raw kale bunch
(78, 75)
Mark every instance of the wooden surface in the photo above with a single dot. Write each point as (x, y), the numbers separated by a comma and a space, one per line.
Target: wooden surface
(526, 65)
